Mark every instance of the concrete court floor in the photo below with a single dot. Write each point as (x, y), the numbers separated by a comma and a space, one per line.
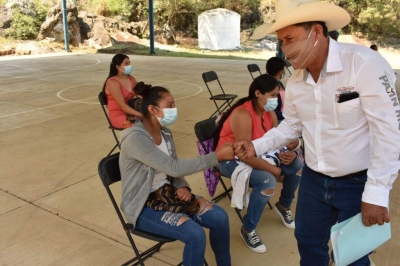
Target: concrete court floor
(53, 207)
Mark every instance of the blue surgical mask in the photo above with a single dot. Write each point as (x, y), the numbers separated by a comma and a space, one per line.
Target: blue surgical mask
(170, 116)
(283, 75)
(271, 104)
(128, 70)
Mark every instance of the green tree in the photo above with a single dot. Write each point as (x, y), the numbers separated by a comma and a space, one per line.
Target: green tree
(23, 27)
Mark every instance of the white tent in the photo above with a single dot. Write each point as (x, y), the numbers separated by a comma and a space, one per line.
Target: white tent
(219, 29)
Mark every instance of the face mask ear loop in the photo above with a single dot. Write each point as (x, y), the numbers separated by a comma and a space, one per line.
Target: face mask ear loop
(310, 33)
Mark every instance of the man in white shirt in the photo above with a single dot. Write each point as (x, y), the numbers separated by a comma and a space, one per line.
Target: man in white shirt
(342, 100)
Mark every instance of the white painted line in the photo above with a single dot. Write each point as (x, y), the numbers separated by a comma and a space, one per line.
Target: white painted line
(184, 97)
(77, 101)
(54, 73)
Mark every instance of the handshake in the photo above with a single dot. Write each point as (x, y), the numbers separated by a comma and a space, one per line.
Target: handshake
(242, 149)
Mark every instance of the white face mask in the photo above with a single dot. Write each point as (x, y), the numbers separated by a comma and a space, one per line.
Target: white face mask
(283, 75)
(271, 104)
(128, 69)
(297, 53)
(170, 116)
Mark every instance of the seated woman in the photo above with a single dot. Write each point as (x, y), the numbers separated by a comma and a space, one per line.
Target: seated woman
(249, 118)
(148, 163)
(276, 67)
(118, 88)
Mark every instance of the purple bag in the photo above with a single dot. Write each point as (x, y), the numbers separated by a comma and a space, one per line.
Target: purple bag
(211, 175)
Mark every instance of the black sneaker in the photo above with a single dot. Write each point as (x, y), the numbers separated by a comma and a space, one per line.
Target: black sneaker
(286, 216)
(252, 241)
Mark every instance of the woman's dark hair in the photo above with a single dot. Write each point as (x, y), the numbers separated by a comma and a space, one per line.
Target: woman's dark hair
(274, 65)
(116, 61)
(263, 83)
(151, 96)
(140, 88)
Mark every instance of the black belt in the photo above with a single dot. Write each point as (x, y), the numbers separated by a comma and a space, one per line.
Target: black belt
(356, 174)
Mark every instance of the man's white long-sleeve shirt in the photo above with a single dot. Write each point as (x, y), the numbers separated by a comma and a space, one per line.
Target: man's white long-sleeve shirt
(348, 137)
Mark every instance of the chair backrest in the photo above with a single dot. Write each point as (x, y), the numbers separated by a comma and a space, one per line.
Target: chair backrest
(253, 68)
(209, 76)
(102, 98)
(204, 131)
(109, 169)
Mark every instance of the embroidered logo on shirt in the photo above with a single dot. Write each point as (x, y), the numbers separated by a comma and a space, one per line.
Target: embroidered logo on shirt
(343, 90)
(388, 84)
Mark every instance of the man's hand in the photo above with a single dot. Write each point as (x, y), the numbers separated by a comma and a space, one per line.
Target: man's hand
(374, 214)
(244, 149)
(287, 157)
(183, 194)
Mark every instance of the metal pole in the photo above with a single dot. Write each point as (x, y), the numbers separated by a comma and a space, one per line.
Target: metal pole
(151, 22)
(65, 25)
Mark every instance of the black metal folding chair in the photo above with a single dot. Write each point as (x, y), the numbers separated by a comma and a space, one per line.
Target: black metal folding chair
(253, 68)
(204, 131)
(227, 98)
(103, 102)
(109, 173)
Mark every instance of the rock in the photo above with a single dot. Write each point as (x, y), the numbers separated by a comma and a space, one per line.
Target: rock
(53, 26)
(99, 35)
(165, 35)
(31, 48)
(24, 6)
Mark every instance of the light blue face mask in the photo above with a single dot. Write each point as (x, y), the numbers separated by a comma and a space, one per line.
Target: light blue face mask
(128, 70)
(271, 104)
(170, 116)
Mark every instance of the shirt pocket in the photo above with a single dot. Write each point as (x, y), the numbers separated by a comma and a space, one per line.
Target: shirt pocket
(348, 114)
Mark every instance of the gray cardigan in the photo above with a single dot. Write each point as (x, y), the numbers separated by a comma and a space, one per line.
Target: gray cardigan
(139, 158)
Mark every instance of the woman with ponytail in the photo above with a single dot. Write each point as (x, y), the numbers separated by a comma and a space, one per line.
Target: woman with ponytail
(118, 88)
(149, 167)
(250, 118)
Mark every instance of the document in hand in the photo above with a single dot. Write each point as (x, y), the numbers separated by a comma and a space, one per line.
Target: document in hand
(351, 239)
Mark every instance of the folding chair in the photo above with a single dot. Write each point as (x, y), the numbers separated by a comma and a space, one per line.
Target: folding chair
(109, 173)
(103, 102)
(227, 98)
(204, 130)
(253, 68)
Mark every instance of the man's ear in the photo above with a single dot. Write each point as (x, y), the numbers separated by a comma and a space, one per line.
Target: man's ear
(319, 31)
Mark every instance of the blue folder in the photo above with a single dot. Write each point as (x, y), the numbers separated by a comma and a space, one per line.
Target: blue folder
(351, 239)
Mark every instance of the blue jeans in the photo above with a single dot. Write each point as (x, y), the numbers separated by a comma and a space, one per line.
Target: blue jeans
(191, 232)
(261, 180)
(323, 201)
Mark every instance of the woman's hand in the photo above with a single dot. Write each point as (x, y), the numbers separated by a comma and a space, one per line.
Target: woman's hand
(184, 194)
(225, 152)
(287, 157)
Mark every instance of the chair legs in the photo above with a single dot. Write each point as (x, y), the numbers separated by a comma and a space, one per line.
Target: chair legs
(116, 145)
(140, 257)
(221, 108)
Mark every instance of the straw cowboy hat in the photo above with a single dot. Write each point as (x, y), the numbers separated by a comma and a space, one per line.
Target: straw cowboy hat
(289, 12)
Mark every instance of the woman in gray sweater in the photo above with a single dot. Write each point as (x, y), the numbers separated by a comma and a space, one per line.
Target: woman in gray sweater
(148, 160)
